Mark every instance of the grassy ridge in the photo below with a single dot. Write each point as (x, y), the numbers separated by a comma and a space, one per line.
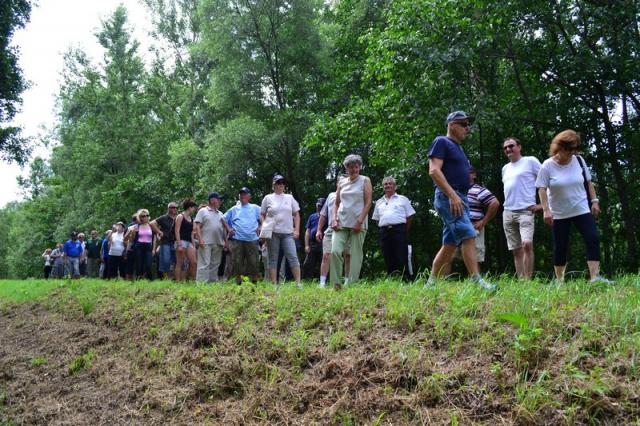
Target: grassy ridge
(376, 352)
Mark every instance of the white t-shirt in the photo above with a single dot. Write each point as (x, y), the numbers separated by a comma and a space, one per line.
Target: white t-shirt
(565, 188)
(519, 179)
(279, 210)
(392, 211)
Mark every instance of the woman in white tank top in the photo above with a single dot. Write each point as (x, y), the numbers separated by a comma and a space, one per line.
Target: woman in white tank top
(349, 220)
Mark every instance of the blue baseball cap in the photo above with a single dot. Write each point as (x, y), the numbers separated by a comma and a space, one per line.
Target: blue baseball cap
(244, 190)
(460, 116)
(214, 195)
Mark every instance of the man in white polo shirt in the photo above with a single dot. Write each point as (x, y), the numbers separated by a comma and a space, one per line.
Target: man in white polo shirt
(519, 179)
(394, 213)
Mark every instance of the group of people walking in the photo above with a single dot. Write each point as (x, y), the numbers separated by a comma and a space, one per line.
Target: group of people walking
(562, 182)
(189, 247)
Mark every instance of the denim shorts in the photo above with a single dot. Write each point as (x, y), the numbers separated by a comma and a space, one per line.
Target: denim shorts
(455, 229)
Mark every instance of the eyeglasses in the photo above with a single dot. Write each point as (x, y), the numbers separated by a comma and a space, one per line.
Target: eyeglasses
(511, 146)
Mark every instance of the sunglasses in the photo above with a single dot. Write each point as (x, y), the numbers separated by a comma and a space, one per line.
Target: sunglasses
(144, 215)
(511, 146)
(462, 124)
(173, 207)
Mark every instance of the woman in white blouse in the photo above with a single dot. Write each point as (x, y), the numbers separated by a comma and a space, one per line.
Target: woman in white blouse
(565, 190)
(281, 213)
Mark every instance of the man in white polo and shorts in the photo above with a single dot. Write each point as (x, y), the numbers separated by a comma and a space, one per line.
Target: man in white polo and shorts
(519, 179)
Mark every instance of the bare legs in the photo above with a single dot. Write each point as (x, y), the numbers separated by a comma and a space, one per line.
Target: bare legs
(523, 258)
(442, 262)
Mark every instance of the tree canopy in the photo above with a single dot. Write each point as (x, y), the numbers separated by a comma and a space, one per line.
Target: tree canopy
(239, 90)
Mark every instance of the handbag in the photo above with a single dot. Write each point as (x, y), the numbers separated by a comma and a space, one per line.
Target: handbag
(586, 182)
(267, 226)
(266, 231)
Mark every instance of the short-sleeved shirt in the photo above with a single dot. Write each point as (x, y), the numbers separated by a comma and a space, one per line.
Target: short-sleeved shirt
(73, 248)
(279, 210)
(245, 220)
(93, 248)
(393, 210)
(455, 164)
(326, 212)
(312, 226)
(565, 187)
(212, 230)
(479, 198)
(519, 180)
(166, 224)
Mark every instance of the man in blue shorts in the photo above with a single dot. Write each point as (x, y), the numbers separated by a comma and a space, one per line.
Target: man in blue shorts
(449, 168)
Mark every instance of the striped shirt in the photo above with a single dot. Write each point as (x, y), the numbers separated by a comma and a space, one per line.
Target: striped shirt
(479, 198)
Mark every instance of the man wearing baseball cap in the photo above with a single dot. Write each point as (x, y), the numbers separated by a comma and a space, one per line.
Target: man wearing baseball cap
(210, 232)
(244, 220)
(449, 168)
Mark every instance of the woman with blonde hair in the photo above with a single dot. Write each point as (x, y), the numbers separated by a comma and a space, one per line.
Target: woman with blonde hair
(185, 247)
(142, 236)
(568, 197)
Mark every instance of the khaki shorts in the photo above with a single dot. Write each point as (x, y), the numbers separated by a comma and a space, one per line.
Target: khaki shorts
(479, 248)
(326, 244)
(518, 227)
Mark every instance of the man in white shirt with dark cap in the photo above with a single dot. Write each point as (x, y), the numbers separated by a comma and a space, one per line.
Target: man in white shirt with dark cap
(394, 213)
(519, 179)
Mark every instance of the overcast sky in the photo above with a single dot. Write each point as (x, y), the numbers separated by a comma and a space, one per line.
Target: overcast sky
(55, 26)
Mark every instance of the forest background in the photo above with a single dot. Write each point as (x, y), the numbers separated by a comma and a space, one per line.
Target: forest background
(241, 89)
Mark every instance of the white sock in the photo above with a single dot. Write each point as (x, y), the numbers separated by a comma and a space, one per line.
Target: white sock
(323, 279)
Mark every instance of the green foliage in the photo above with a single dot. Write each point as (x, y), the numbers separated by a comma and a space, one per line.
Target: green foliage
(238, 90)
(38, 361)
(14, 14)
(83, 362)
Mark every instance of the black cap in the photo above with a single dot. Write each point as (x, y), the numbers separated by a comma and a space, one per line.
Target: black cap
(74, 234)
(244, 190)
(320, 201)
(460, 116)
(278, 178)
(214, 195)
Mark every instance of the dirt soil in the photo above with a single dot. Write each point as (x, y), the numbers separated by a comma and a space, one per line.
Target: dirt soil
(204, 377)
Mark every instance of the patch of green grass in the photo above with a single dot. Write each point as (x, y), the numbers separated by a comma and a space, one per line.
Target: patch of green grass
(83, 362)
(20, 291)
(38, 361)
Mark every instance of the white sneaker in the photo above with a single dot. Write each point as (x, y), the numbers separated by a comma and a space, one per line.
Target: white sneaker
(430, 283)
(486, 285)
(322, 285)
(601, 280)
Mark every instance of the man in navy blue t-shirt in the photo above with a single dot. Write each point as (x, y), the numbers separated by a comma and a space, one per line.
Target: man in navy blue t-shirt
(449, 168)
